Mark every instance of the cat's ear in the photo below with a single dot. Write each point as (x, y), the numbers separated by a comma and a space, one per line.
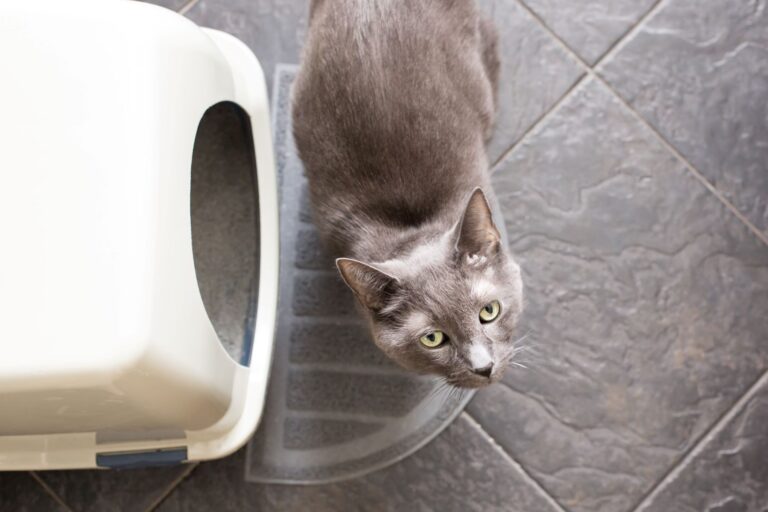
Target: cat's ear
(476, 234)
(371, 285)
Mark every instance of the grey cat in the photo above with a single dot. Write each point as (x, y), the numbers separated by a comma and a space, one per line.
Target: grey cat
(392, 107)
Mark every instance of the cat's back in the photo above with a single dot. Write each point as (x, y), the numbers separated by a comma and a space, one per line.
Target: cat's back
(390, 106)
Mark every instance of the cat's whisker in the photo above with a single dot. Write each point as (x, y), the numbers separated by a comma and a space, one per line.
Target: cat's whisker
(445, 390)
(521, 338)
(437, 389)
(441, 393)
(518, 349)
(456, 393)
(521, 349)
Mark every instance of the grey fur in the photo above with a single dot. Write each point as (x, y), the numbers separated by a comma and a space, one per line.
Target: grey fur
(391, 110)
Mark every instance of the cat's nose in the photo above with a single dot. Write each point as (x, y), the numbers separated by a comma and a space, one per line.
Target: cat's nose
(485, 371)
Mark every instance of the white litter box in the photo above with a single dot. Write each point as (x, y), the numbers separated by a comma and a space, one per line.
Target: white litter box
(107, 355)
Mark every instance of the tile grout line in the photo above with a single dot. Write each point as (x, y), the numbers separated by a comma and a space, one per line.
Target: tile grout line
(610, 51)
(590, 71)
(622, 41)
(172, 487)
(703, 441)
(526, 475)
(614, 48)
(688, 165)
(541, 120)
(184, 9)
(50, 491)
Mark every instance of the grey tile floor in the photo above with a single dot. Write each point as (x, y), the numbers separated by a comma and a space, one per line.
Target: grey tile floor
(631, 162)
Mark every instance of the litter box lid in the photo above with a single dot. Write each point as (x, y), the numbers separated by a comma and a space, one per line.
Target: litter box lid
(107, 354)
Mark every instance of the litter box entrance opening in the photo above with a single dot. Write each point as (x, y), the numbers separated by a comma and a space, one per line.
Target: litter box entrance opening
(224, 204)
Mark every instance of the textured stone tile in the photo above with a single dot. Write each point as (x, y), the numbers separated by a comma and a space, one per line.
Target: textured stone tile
(698, 72)
(19, 492)
(730, 474)
(535, 72)
(590, 27)
(107, 491)
(273, 29)
(460, 471)
(646, 299)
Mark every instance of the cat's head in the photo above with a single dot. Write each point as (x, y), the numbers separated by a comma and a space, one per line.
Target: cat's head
(450, 306)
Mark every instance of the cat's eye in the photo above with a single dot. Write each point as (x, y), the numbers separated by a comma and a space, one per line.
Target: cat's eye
(490, 311)
(433, 339)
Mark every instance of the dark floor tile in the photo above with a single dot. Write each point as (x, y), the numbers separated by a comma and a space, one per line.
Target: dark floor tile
(730, 474)
(698, 72)
(106, 491)
(459, 471)
(646, 299)
(20, 492)
(535, 72)
(273, 29)
(590, 27)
